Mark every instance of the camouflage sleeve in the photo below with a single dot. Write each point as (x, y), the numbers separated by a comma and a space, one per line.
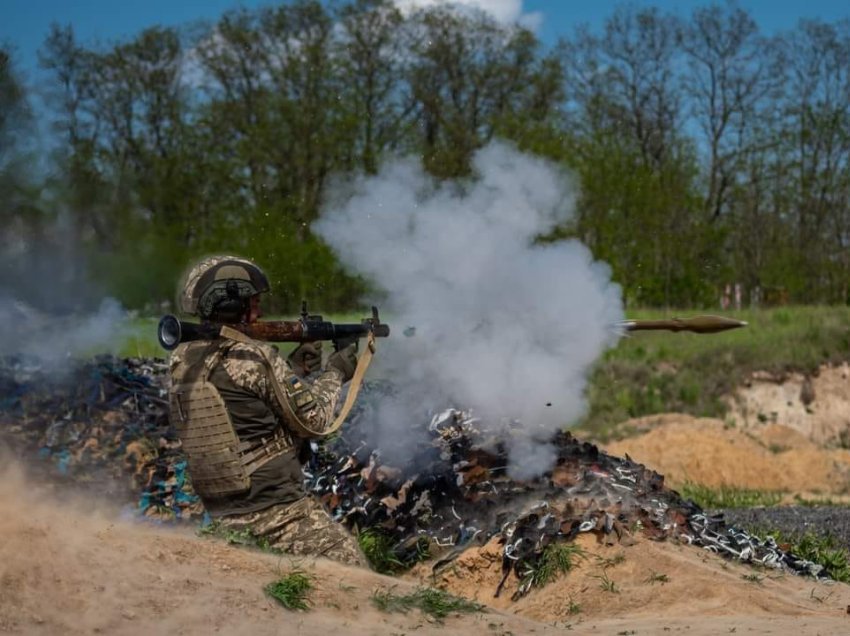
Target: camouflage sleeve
(311, 405)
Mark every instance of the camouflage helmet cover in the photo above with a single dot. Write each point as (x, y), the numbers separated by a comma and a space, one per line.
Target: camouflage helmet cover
(214, 278)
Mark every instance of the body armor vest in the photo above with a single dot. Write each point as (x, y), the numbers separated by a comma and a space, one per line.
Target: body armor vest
(219, 463)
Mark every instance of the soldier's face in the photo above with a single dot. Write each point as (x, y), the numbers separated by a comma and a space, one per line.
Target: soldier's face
(254, 312)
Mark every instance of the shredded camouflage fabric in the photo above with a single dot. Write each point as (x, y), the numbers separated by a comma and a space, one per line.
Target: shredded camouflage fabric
(300, 528)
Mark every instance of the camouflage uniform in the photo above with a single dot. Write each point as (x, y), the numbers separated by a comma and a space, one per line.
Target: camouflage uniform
(276, 508)
(300, 528)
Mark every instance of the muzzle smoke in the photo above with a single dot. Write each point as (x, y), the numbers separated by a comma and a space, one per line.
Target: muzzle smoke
(52, 339)
(496, 321)
(49, 308)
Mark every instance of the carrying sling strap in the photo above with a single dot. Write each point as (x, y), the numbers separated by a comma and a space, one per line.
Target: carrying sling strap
(363, 363)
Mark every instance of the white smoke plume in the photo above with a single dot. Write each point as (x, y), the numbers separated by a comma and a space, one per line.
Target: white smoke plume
(495, 321)
(49, 309)
(52, 340)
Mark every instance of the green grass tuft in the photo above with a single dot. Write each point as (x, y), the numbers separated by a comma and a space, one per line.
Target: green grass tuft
(609, 562)
(557, 558)
(378, 548)
(291, 590)
(824, 550)
(655, 577)
(235, 537)
(435, 603)
(606, 584)
(728, 497)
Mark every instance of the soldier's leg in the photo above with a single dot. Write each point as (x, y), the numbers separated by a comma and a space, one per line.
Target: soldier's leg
(302, 528)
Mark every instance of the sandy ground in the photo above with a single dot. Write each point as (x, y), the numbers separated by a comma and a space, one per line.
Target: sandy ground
(70, 566)
(785, 434)
(67, 568)
(818, 406)
(710, 452)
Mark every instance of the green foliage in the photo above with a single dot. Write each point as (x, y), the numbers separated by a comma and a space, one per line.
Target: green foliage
(609, 562)
(799, 500)
(655, 372)
(378, 548)
(386, 556)
(433, 602)
(557, 558)
(606, 584)
(823, 549)
(291, 590)
(154, 172)
(235, 537)
(655, 577)
(728, 497)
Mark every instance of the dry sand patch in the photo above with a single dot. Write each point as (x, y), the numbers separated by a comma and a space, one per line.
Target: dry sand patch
(710, 452)
(816, 406)
(67, 569)
(699, 591)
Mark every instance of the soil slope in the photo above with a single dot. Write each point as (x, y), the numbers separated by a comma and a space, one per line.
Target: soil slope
(710, 452)
(67, 568)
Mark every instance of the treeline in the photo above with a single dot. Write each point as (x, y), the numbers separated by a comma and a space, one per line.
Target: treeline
(705, 152)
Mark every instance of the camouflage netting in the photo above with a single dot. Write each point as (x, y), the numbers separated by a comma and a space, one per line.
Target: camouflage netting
(103, 425)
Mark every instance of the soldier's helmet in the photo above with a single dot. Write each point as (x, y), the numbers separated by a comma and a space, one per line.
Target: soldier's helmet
(221, 285)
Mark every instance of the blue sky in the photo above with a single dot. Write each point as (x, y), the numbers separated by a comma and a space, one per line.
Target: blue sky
(24, 23)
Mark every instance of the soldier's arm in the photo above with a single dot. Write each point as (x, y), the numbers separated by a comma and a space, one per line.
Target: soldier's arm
(311, 404)
(307, 410)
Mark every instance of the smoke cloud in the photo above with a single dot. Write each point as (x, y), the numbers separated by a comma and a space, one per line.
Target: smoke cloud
(53, 339)
(485, 316)
(49, 308)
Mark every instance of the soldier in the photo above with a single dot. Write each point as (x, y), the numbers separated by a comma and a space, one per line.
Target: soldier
(243, 415)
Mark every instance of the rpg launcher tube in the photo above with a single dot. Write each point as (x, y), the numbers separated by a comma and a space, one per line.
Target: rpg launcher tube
(172, 331)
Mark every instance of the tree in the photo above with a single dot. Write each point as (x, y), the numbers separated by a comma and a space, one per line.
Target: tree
(816, 136)
(471, 79)
(637, 169)
(371, 58)
(731, 72)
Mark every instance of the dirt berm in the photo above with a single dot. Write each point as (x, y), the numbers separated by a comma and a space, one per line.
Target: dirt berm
(69, 567)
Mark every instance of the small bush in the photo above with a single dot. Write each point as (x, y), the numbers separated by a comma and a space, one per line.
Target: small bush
(291, 590)
(557, 558)
(378, 548)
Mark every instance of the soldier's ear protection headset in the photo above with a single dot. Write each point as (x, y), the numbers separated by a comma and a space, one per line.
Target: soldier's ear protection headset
(227, 300)
(227, 288)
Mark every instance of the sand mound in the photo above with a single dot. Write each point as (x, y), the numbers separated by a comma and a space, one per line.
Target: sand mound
(65, 569)
(816, 406)
(711, 452)
(657, 586)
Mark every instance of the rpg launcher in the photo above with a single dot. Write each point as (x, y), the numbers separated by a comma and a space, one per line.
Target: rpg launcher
(172, 331)
(697, 324)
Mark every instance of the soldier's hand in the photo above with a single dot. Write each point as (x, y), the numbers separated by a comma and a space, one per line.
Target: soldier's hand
(306, 358)
(345, 360)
